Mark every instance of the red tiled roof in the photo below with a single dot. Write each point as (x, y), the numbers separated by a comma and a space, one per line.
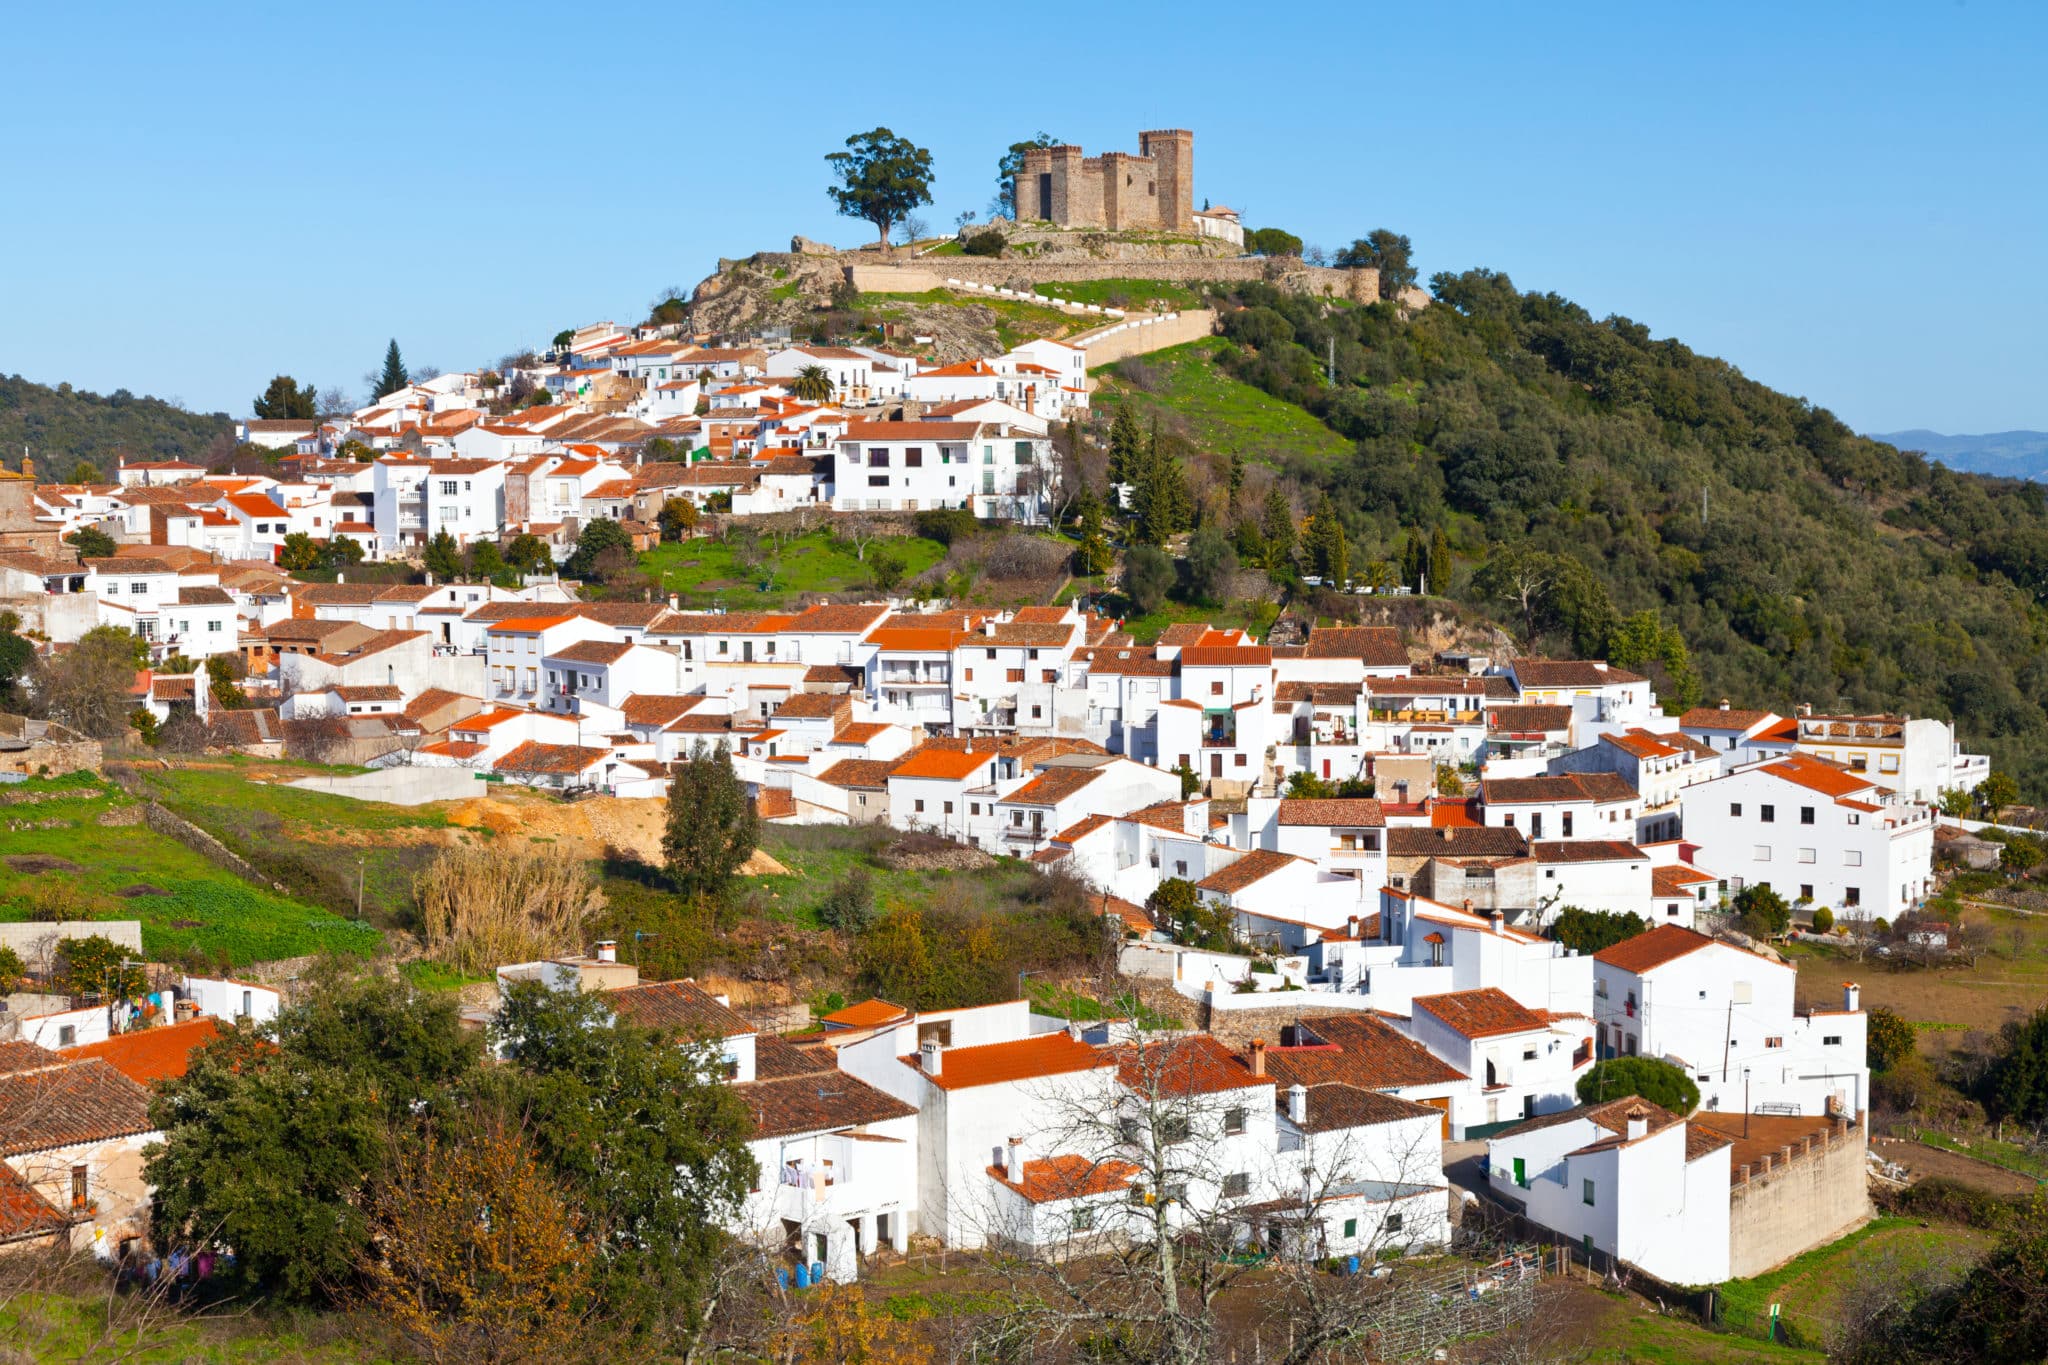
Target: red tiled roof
(1721, 718)
(1195, 1065)
(1587, 851)
(1484, 1013)
(1068, 1177)
(1359, 1050)
(1340, 811)
(678, 1007)
(1252, 867)
(152, 1053)
(1049, 1054)
(870, 1013)
(1665, 943)
(1225, 656)
(61, 1106)
(946, 764)
(1803, 770)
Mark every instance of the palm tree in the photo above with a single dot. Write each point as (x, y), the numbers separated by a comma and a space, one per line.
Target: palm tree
(812, 384)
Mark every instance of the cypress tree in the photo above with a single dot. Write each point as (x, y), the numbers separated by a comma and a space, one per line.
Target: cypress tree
(393, 379)
(1439, 562)
(1125, 444)
(1276, 526)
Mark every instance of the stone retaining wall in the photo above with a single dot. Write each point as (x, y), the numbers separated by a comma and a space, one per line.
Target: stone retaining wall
(1358, 286)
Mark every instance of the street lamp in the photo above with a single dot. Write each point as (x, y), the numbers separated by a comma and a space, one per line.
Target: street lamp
(1745, 1101)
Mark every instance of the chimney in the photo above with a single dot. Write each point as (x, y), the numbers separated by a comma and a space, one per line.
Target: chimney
(341, 578)
(1806, 708)
(1638, 1122)
(1498, 921)
(1468, 905)
(1724, 703)
(1450, 833)
(1258, 1051)
(430, 578)
(1297, 1104)
(1852, 997)
(928, 1056)
(607, 950)
(675, 603)
(1013, 1161)
(28, 468)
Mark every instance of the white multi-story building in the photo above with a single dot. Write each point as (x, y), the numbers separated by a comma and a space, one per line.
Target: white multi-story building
(1727, 1017)
(1813, 832)
(990, 469)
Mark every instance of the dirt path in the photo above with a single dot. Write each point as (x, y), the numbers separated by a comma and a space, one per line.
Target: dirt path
(1923, 1160)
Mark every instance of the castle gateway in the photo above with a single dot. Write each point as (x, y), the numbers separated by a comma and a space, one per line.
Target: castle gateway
(1154, 189)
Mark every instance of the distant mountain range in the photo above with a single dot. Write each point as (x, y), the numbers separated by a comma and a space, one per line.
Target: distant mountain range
(2011, 454)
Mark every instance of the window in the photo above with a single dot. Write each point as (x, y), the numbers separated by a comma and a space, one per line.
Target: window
(1774, 1042)
(1023, 452)
(1508, 821)
(1888, 763)
(879, 459)
(913, 457)
(1393, 1223)
(81, 1193)
(1769, 814)
(1216, 689)
(448, 488)
(1806, 855)
(1128, 1129)
(67, 1035)
(1529, 1054)
(1233, 1121)
(949, 808)
(878, 480)
(1805, 893)
(1084, 1219)
(1735, 810)
(1172, 1128)
(1832, 1040)
(1806, 815)
(1350, 1228)
(1853, 858)
(1015, 675)
(1048, 675)
(137, 589)
(1852, 895)
(1237, 1186)
(1586, 1195)
(974, 808)
(919, 805)
(967, 674)
(1762, 853)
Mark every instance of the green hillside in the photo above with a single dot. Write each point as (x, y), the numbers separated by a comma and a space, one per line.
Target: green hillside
(62, 426)
(1188, 392)
(1623, 474)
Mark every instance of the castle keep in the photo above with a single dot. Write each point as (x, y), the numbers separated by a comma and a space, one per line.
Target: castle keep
(1154, 189)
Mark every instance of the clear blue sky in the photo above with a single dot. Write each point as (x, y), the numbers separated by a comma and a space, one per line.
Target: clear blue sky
(1846, 201)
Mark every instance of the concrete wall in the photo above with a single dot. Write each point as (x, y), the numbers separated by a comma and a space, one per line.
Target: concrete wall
(36, 941)
(1812, 1198)
(1131, 339)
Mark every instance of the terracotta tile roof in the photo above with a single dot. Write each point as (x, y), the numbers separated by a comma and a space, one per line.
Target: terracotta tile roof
(870, 1013)
(24, 1213)
(866, 774)
(625, 615)
(911, 431)
(1335, 1105)
(1571, 787)
(1512, 718)
(1068, 1177)
(1132, 662)
(1723, 719)
(1082, 828)
(531, 625)
(61, 1106)
(1133, 915)
(593, 651)
(1587, 851)
(1195, 1065)
(1225, 656)
(1484, 1013)
(1048, 1054)
(860, 732)
(1676, 881)
(20, 1055)
(1640, 744)
(1015, 633)
(1254, 866)
(653, 710)
(681, 1008)
(432, 700)
(1167, 815)
(1570, 673)
(1360, 1050)
(1052, 786)
(1407, 841)
(1340, 811)
(152, 1053)
(946, 764)
(204, 596)
(1645, 952)
(810, 1103)
(899, 639)
(776, 1057)
(1377, 646)
(1803, 770)
(1041, 616)
(535, 757)
(1611, 1116)
(812, 706)
(1319, 693)
(377, 692)
(834, 673)
(836, 619)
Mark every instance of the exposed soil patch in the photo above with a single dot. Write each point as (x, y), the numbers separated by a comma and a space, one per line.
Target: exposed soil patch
(33, 864)
(929, 853)
(1923, 1161)
(141, 889)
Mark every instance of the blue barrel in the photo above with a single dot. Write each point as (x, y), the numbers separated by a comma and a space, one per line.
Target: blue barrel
(817, 1272)
(1351, 1266)
(803, 1276)
(782, 1277)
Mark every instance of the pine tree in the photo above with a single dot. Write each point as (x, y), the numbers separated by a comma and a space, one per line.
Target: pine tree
(1439, 562)
(1161, 505)
(1326, 547)
(444, 558)
(394, 378)
(1126, 443)
(1236, 473)
(1276, 526)
(1096, 555)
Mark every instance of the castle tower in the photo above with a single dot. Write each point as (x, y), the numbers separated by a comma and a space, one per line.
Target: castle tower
(1172, 151)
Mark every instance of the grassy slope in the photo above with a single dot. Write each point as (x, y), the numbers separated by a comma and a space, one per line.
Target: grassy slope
(1806, 1287)
(201, 906)
(74, 1326)
(1218, 412)
(702, 572)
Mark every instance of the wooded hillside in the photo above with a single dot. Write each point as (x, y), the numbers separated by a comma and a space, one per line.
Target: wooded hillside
(62, 426)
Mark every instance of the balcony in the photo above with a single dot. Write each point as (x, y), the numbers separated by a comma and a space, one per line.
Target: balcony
(910, 677)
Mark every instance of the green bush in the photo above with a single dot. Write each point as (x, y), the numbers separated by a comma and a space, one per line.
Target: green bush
(1653, 1079)
(985, 243)
(946, 525)
(1823, 920)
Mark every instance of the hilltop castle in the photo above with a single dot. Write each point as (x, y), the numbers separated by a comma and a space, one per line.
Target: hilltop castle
(1154, 189)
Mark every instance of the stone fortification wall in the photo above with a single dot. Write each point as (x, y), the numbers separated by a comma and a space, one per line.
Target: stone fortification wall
(1141, 336)
(1358, 286)
(1806, 1195)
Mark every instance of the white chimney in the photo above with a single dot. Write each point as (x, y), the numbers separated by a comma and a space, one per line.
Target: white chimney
(1499, 922)
(928, 1054)
(1638, 1123)
(1013, 1161)
(607, 950)
(1852, 997)
(1297, 1104)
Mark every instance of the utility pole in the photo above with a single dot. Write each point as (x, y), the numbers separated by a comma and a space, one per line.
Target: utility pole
(1330, 364)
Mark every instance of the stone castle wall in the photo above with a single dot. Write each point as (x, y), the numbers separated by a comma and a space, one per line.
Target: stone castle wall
(1356, 286)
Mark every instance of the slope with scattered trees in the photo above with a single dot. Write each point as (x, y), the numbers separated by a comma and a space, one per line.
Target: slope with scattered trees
(62, 426)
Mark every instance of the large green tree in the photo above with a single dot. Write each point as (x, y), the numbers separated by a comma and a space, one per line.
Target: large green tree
(1652, 1078)
(1591, 930)
(598, 535)
(1388, 252)
(1148, 577)
(712, 825)
(882, 179)
(287, 399)
(88, 685)
(91, 543)
(443, 557)
(1329, 553)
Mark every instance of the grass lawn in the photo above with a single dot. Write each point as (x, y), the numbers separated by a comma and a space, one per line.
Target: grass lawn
(2010, 1155)
(1016, 320)
(1806, 1287)
(1256, 617)
(703, 572)
(1154, 295)
(819, 857)
(1218, 412)
(2009, 980)
(77, 1326)
(63, 856)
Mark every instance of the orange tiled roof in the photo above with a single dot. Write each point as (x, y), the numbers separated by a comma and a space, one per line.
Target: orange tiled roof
(1068, 1177)
(1665, 943)
(152, 1053)
(946, 764)
(1049, 1054)
(1484, 1013)
(870, 1013)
